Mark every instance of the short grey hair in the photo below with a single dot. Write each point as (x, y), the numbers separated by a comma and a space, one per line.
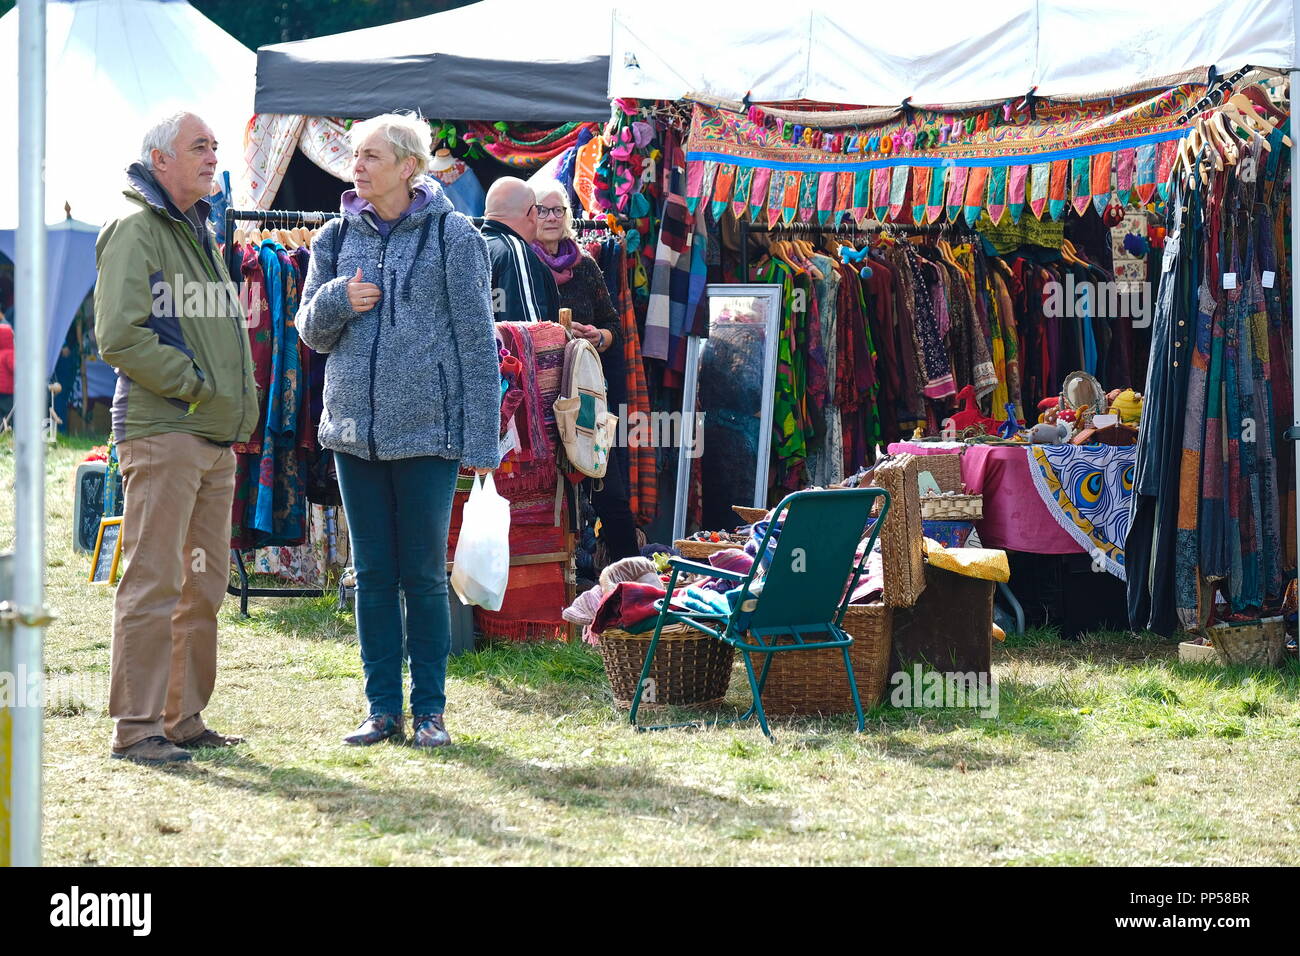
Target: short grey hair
(162, 137)
(407, 132)
(547, 187)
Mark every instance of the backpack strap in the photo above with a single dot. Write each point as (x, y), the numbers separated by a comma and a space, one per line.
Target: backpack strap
(338, 247)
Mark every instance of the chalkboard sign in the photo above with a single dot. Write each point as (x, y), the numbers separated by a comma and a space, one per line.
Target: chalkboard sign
(108, 552)
(88, 491)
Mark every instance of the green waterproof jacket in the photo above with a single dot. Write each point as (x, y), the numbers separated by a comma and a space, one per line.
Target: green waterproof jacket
(168, 319)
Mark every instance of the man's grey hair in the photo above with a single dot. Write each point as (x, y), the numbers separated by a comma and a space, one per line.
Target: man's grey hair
(162, 137)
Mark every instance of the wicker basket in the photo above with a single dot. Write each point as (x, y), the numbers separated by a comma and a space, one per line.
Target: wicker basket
(813, 682)
(1250, 645)
(689, 667)
(749, 515)
(700, 550)
(952, 508)
(946, 470)
(902, 546)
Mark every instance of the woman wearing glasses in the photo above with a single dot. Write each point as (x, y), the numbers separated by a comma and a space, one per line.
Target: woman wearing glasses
(582, 288)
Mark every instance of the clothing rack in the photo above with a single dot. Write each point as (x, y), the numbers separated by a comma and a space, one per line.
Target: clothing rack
(267, 217)
(843, 229)
(282, 218)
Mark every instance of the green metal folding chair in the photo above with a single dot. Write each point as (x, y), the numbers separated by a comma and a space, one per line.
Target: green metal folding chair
(813, 539)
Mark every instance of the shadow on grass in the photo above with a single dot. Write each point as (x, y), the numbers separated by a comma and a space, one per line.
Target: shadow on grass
(372, 811)
(622, 788)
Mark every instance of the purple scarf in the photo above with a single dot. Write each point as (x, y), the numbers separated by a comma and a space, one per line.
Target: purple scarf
(561, 264)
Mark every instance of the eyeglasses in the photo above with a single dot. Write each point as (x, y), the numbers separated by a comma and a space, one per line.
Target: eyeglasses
(544, 211)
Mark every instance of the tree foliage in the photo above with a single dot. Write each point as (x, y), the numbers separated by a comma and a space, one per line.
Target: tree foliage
(256, 24)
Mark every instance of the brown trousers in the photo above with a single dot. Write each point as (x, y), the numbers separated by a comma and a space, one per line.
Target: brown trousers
(176, 543)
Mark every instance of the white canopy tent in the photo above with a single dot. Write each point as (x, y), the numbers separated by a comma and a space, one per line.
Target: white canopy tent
(113, 69)
(947, 52)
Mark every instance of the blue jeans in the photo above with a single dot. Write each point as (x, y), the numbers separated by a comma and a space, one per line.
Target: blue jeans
(398, 515)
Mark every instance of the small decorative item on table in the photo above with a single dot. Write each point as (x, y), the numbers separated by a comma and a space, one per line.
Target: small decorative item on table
(700, 545)
(950, 534)
(952, 507)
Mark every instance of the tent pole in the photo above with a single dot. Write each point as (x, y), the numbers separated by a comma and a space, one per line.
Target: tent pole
(1294, 84)
(28, 611)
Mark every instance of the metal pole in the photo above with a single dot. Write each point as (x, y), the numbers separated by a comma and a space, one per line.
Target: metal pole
(1295, 247)
(29, 437)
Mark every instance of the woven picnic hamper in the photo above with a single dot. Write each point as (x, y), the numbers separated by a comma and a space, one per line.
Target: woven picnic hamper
(689, 667)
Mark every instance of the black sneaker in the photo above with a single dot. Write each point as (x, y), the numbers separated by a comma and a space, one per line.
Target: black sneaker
(375, 729)
(152, 751)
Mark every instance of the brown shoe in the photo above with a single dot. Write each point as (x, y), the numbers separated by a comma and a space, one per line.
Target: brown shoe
(210, 738)
(152, 751)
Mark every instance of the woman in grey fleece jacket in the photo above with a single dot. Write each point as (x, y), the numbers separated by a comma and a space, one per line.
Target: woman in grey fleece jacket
(397, 295)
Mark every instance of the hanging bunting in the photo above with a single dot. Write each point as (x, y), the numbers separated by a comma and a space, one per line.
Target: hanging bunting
(740, 190)
(997, 193)
(1102, 163)
(956, 191)
(790, 196)
(921, 177)
(1144, 172)
(722, 185)
(1017, 177)
(775, 193)
(1039, 188)
(808, 196)
(1048, 159)
(934, 204)
(880, 193)
(1056, 188)
(976, 192)
(758, 193)
(705, 187)
(1165, 154)
(1080, 183)
(843, 193)
(898, 192)
(826, 196)
(861, 194)
(695, 183)
(1124, 163)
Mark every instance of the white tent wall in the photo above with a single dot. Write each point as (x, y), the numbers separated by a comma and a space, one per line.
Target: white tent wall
(947, 52)
(113, 69)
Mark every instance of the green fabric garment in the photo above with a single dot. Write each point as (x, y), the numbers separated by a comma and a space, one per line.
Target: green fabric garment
(1029, 231)
(167, 317)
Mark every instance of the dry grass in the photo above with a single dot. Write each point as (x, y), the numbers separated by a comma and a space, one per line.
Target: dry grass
(1106, 751)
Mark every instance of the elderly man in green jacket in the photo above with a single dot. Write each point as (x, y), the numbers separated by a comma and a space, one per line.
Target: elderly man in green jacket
(168, 319)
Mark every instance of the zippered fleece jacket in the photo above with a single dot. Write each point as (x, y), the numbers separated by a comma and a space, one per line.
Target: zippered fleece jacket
(168, 319)
(418, 374)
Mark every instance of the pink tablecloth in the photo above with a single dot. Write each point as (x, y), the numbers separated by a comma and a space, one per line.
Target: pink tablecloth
(1015, 517)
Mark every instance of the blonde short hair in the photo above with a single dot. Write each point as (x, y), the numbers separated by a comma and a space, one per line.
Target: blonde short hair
(407, 133)
(547, 187)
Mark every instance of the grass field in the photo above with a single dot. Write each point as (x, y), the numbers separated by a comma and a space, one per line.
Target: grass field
(1105, 751)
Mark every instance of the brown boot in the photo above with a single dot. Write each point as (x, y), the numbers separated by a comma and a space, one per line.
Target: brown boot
(152, 751)
(210, 738)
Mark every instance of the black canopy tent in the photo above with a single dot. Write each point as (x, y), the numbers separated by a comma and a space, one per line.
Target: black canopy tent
(492, 60)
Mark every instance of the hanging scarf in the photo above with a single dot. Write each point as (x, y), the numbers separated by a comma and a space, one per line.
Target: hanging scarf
(563, 262)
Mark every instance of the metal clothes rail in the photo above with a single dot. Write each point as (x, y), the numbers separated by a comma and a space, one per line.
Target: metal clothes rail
(847, 230)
